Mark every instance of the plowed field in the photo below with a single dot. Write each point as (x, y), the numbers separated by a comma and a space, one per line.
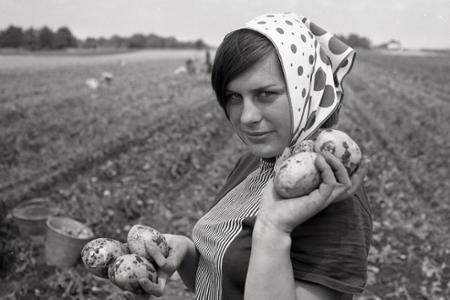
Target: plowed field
(154, 147)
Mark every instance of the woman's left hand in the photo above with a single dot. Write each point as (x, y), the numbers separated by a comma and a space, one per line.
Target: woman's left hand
(283, 215)
(178, 247)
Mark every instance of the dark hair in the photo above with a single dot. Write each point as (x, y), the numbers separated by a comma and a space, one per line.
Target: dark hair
(237, 53)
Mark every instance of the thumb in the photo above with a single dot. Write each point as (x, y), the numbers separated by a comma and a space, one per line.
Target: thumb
(162, 281)
(269, 192)
(155, 254)
(128, 295)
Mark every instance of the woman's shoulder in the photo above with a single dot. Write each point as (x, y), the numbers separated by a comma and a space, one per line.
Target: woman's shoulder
(332, 247)
(343, 218)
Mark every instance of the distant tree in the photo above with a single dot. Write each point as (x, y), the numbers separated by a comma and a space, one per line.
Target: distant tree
(199, 44)
(170, 42)
(102, 42)
(117, 42)
(137, 41)
(46, 38)
(357, 41)
(90, 42)
(12, 37)
(30, 39)
(63, 38)
(154, 41)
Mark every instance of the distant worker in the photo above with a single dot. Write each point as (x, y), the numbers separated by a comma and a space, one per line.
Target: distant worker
(107, 77)
(190, 66)
(208, 62)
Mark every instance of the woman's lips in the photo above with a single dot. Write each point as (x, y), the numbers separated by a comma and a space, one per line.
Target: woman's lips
(257, 136)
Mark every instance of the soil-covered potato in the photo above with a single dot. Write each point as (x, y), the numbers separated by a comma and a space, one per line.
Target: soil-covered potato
(297, 175)
(99, 253)
(140, 235)
(340, 145)
(286, 153)
(126, 271)
(304, 146)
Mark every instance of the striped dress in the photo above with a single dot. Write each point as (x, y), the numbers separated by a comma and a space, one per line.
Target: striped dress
(215, 233)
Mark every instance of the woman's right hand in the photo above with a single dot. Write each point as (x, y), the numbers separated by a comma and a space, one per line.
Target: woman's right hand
(284, 215)
(166, 266)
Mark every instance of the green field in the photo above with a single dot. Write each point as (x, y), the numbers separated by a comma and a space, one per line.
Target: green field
(154, 148)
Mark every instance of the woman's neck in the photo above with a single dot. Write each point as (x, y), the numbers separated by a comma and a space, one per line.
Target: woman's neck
(269, 159)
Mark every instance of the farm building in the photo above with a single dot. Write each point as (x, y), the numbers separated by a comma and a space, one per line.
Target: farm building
(392, 45)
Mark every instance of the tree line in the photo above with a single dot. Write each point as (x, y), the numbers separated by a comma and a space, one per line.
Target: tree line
(45, 38)
(37, 39)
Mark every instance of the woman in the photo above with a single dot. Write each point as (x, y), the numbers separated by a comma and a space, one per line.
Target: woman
(278, 80)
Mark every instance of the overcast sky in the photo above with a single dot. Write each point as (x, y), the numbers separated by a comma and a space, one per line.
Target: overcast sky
(416, 23)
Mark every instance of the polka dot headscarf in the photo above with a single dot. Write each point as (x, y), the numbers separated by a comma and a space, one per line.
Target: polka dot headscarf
(314, 63)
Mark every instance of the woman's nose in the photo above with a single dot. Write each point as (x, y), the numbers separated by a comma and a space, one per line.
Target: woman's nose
(250, 113)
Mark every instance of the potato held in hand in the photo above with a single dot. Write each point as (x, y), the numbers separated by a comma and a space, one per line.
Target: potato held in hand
(304, 146)
(297, 175)
(140, 235)
(340, 145)
(126, 271)
(99, 253)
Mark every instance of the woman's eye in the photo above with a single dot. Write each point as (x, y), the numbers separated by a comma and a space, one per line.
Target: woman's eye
(267, 95)
(233, 98)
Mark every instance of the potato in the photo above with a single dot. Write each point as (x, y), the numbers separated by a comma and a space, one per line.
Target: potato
(304, 146)
(341, 145)
(286, 153)
(297, 175)
(126, 271)
(295, 172)
(141, 234)
(99, 253)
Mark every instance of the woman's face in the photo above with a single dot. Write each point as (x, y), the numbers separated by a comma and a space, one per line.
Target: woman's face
(258, 108)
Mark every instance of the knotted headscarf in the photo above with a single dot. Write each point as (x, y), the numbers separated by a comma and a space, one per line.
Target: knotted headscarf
(314, 63)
